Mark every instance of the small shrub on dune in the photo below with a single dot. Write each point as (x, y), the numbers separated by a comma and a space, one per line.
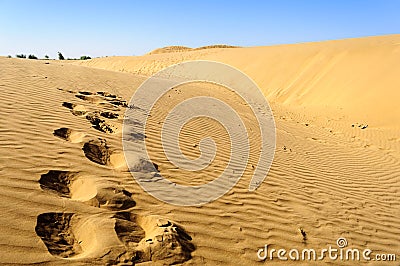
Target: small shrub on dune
(31, 56)
(20, 56)
(84, 57)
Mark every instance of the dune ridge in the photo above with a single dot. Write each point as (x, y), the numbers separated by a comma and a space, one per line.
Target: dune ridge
(177, 48)
(358, 75)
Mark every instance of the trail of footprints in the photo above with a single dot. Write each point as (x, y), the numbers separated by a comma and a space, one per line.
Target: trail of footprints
(72, 235)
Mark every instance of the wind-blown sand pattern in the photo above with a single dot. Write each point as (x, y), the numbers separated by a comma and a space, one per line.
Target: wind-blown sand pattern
(67, 197)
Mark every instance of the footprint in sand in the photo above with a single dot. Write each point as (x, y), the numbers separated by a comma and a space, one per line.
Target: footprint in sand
(121, 103)
(66, 90)
(57, 181)
(114, 238)
(109, 115)
(86, 92)
(107, 94)
(111, 237)
(98, 118)
(75, 236)
(101, 124)
(54, 230)
(83, 188)
(76, 109)
(101, 97)
(90, 98)
(69, 134)
(99, 151)
(163, 241)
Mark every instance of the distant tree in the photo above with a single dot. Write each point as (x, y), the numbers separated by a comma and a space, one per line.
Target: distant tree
(31, 56)
(85, 57)
(46, 56)
(60, 56)
(20, 56)
(9, 56)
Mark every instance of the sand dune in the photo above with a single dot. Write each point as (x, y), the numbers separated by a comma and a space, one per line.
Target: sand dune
(174, 49)
(66, 196)
(357, 75)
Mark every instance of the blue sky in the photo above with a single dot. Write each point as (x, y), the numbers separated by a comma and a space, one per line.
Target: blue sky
(100, 28)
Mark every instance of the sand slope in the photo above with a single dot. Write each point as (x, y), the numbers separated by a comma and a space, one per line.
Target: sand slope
(65, 191)
(358, 75)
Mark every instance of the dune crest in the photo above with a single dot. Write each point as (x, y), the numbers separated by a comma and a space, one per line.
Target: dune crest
(358, 75)
(176, 48)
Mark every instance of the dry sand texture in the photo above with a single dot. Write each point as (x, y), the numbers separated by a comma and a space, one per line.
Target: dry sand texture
(66, 196)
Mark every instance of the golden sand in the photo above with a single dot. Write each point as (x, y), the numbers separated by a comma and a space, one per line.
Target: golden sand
(335, 174)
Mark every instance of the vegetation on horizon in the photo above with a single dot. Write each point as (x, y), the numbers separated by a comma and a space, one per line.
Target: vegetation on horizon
(46, 57)
(60, 56)
(85, 57)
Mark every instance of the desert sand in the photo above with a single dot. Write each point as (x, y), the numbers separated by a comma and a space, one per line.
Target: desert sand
(67, 197)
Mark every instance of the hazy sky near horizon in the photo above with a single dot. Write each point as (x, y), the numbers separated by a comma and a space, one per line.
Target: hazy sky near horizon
(100, 28)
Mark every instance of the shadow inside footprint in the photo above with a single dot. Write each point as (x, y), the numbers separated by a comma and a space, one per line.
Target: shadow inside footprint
(68, 105)
(57, 181)
(89, 98)
(83, 97)
(69, 134)
(121, 103)
(86, 92)
(97, 151)
(76, 109)
(100, 124)
(54, 230)
(63, 133)
(127, 229)
(107, 94)
(109, 115)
